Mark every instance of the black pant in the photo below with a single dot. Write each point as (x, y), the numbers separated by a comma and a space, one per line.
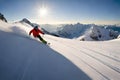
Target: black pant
(41, 39)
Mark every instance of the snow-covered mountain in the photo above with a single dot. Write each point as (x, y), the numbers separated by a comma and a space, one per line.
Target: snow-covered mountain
(72, 31)
(3, 18)
(25, 58)
(113, 27)
(96, 33)
(26, 21)
(85, 31)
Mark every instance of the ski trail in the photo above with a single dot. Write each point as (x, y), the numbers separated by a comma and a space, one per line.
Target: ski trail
(104, 49)
(100, 51)
(112, 63)
(103, 54)
(80, 63)
(94, 62)
(107, 67)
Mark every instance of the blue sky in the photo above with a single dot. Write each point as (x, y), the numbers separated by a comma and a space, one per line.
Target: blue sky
(63, 11)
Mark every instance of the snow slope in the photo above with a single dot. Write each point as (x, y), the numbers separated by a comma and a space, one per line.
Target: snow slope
(99, 60)
(24, 58)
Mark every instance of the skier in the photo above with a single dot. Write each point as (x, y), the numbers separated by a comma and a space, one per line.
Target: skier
(36, 32)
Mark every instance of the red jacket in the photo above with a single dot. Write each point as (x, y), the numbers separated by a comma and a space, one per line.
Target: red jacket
(35, 32)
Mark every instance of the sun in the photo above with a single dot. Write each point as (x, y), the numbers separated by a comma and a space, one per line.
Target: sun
(43, 12)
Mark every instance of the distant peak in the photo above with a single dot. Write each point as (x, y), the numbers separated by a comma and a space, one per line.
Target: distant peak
(1, 14)
(2, 17)
(25, 20)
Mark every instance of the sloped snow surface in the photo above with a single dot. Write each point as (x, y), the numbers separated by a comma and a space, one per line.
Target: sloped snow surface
(25, 58)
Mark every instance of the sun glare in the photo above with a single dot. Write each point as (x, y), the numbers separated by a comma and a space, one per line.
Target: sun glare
(43, 11)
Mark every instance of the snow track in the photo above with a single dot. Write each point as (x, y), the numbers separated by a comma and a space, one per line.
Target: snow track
(108, 61)
(98, 65)
(105, 53)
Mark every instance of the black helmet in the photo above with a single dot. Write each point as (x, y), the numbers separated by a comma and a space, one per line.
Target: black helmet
(36, 27)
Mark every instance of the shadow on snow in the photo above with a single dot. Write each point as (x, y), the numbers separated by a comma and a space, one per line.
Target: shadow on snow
(23, 59)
